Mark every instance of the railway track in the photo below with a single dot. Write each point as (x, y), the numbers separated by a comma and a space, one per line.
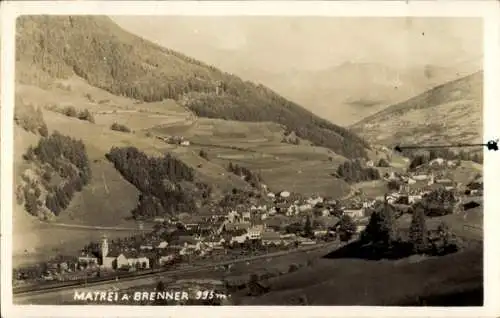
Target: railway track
(34, 290)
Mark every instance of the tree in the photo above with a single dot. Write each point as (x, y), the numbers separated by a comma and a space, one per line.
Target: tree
(70, 111)
(203, 154)
(381, 228)
(346, 228)
(383, 163)
(43, 130)
(393, 185)
(86, 115)
(444, 242)
(418, 230)
(439, 202)
(308, 227)
(120, 127)
(160, 287)
(293, 268)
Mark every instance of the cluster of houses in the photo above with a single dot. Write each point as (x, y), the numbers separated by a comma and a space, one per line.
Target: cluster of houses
(413, 186)
(268, 223)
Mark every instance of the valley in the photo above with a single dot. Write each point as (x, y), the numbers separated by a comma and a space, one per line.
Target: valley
(130, 156)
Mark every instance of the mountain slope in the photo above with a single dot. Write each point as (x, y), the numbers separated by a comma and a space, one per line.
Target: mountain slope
(108, 57)
(448, 113)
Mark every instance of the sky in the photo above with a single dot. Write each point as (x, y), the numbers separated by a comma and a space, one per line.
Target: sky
(281, 44)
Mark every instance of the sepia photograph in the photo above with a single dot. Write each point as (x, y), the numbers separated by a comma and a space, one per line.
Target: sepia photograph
(248, 160)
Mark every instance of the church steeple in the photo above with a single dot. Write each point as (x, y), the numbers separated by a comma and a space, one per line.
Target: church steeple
(104, 247)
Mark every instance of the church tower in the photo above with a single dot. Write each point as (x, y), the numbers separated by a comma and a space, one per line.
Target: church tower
(104, 247)
(431, 179)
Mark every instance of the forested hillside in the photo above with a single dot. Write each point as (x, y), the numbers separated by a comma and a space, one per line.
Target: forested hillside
(108, 57)
(166, 184)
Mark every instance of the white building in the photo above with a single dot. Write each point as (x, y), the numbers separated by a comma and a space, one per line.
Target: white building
(355, 213)
(314, 201)
(305, 207)
(239, 239)
(437, 161)
(246, 216)
(414, 198)
(233, 217)
(421, 177)
(284, 194)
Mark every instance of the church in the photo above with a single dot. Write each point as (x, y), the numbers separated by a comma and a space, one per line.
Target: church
(116, 259)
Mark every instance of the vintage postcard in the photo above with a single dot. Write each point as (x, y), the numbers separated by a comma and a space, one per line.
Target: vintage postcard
(264, 154)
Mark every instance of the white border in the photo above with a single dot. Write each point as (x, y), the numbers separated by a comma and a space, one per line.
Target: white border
(489, 10)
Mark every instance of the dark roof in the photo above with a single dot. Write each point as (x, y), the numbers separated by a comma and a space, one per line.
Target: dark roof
(474, 185)
(179, 233)
(236, 226)
(327, 221)
(114, 253)
(478, 199)
(64, 258)
(470, 205)
(181, 240)
(270, 235)
(237, 232)
(133, 254)
(277, 220)
(257, 221)
(90, 254)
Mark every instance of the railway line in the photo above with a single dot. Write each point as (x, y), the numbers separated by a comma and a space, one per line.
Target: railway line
(33, 291)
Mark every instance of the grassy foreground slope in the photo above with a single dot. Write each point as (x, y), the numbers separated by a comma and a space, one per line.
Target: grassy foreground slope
(449, 113)
(96, 49)
(413, 281)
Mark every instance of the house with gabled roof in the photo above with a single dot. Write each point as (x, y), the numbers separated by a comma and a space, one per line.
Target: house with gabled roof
(114, 259)
(183, 240)
(136, 259)
(88, 258)
(270, 237)
(167, 255)
(229, 227)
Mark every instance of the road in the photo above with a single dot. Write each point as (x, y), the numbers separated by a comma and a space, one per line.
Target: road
(99, 228)
(65, 294)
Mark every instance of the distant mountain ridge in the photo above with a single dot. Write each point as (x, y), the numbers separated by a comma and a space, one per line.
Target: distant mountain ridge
(98, 50)
(448, 113)
(351, 91)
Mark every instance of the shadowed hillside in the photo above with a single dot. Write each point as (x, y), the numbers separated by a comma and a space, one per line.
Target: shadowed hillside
(448, 113)
(99, 51)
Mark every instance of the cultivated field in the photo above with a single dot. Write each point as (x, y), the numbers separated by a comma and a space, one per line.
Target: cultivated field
(257, 146)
